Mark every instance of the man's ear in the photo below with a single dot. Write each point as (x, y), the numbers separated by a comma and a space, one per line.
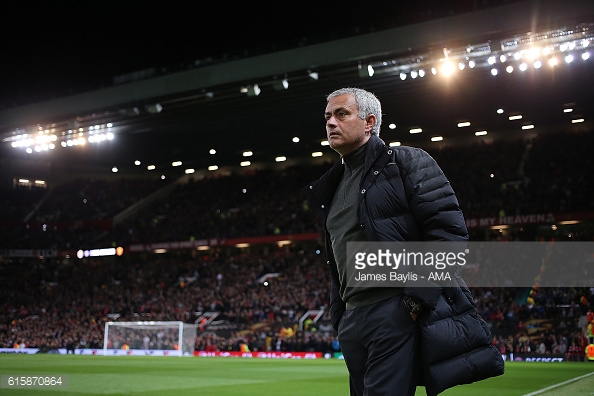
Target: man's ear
(370, 121)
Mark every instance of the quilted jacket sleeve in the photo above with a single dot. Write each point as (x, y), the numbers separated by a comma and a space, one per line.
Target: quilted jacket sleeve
(434, 206)
(431, 197)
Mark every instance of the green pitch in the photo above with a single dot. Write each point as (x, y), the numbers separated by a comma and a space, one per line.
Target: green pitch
(178, 376)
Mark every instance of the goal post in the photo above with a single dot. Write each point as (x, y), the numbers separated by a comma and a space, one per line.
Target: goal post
(312, 315)
(173, 338)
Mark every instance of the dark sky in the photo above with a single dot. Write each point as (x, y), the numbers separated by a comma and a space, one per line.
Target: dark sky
(59, 45)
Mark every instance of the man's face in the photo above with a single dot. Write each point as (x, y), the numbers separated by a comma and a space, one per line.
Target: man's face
(345, 130)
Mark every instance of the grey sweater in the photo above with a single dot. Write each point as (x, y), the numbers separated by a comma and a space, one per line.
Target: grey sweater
(343, 226)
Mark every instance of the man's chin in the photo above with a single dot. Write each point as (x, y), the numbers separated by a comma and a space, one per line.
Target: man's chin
(340, 148)
(334, 145)
(335, 141)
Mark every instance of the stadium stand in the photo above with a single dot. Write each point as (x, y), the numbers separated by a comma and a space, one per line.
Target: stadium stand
(60, 301)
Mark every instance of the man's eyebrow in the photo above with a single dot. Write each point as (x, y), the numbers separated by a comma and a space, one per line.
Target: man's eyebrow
(335, 110)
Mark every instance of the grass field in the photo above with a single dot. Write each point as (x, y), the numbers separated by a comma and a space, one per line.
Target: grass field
(131, 375)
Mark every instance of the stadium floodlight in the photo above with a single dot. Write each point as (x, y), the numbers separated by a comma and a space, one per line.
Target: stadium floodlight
(532, 53)
(447, 68)
(280, 85)
(173, 338)
(368, 71)
(154, 108)
(253, 90)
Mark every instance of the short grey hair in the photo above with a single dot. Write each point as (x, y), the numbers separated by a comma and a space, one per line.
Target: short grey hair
(367, 104)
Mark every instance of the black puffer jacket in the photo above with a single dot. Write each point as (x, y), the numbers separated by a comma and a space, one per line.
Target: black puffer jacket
(404, 196)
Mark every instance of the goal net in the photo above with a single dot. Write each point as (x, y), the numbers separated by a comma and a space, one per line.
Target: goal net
(149, 338)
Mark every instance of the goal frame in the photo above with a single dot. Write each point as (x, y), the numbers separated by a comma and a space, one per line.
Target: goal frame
(184, 349)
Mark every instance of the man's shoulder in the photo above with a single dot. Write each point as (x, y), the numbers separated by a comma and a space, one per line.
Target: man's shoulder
(321, 185)
(410, 151)
(409, 156)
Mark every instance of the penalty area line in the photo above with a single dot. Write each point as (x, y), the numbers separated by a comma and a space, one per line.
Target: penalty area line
(548, 388)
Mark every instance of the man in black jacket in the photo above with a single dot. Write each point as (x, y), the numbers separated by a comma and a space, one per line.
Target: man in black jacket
(376, 193)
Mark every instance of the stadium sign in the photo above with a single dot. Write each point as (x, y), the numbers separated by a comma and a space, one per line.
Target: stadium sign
(262, 355)
(532, 358)
(525, 219)
(510, 220)
(90, 351)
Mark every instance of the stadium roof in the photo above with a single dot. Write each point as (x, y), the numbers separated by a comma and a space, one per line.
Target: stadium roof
(235, 104)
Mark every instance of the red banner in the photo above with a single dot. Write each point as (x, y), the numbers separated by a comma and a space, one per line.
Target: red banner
(262, 355)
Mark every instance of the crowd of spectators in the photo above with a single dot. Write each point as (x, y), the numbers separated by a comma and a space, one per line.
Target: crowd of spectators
(67, 216)
(55, 303)
(548, 174)
(265, 203)
(64, 302)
